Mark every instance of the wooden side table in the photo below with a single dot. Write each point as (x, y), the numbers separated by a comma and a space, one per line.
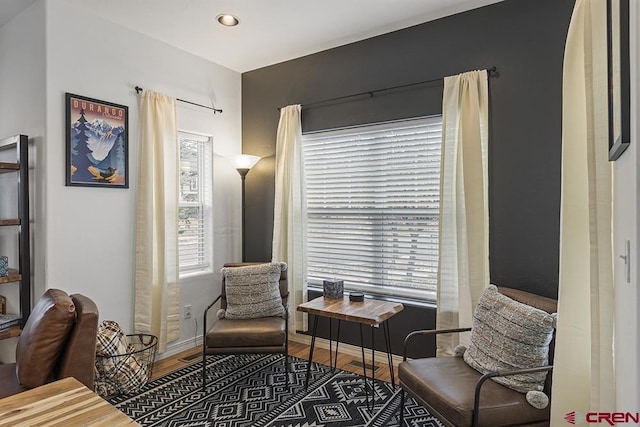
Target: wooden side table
(373, 313)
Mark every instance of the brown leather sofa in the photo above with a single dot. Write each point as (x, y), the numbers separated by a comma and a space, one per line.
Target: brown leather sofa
(460, 396)
(262, 335)
(57, 341)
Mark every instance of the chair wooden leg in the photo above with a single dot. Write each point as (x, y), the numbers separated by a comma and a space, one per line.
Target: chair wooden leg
(401, 408)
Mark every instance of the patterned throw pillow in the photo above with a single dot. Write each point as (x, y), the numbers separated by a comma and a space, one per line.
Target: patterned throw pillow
(507, 334)
(253, 291)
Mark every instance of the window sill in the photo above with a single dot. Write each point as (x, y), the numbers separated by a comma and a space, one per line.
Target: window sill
(196, 274)
(403, 300)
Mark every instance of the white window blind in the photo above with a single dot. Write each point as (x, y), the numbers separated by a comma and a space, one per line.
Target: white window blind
(372, 206)
(194, 205)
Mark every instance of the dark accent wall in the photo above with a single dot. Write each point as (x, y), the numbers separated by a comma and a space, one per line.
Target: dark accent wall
(524, 39)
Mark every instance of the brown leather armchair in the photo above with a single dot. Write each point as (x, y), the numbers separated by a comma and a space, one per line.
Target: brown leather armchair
(262, 335)
(57, 341)
(458, 395)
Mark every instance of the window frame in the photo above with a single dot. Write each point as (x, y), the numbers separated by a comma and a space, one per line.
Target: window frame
(205, 203)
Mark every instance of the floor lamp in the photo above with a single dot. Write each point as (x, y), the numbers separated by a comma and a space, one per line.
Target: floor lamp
(244, 163)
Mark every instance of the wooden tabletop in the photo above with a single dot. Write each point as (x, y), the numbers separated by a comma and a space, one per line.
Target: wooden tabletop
(66, 402)
(369, 312)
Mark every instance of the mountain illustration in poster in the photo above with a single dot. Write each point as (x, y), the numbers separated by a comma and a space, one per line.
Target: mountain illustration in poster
(97, 143)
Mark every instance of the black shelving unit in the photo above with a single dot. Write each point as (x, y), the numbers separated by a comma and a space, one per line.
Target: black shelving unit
(20, 145)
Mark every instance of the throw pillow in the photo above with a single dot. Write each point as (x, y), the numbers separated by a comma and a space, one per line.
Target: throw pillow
(507, 334)
(253, 291)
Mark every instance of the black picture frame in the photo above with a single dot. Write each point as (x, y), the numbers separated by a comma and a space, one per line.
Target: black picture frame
(97, 143)
(619, 77)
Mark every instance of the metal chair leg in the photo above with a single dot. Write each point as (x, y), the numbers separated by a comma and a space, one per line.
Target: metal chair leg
(286, 367)
(204, 369)
(401, 408)
(204, 352)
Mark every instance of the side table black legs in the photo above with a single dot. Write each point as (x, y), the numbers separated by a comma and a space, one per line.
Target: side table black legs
(333, 357)
(372, 312)
(313, 343)
(387, 342)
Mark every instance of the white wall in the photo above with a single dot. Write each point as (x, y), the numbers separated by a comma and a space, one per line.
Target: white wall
(22, 111)
(90, 231)
(22, 73)
(626, 227)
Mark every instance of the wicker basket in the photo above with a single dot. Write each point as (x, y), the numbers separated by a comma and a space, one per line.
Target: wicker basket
(145, 346)
(130, 371)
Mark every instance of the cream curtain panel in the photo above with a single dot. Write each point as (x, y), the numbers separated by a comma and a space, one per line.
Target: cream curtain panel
(583, 374)
(463, 265)
(290, 210)
(157, 309)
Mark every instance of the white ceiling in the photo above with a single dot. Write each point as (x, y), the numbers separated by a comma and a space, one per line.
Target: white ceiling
(270, 31)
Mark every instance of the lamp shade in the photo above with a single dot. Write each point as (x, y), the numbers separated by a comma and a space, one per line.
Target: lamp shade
(244, 161)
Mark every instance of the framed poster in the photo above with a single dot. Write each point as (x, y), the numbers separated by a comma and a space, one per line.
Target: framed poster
(619, 77)
(97, 143)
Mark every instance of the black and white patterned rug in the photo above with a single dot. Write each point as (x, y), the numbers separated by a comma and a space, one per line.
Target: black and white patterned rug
(251, 390)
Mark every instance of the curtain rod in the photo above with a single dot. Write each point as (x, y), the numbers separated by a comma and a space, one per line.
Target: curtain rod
(491, 72)
(215, 110)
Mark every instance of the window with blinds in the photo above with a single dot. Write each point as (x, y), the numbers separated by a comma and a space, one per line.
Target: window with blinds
(194, 204)
(372, 206)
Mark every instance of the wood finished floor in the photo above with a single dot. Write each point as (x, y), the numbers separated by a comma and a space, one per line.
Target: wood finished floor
(296, 349)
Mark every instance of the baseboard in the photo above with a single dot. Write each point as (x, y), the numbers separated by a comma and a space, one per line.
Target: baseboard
(352, 350)
(178, 347)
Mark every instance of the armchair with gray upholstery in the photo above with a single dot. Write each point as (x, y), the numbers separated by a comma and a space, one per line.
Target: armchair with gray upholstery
(256, 335)
(459, 395)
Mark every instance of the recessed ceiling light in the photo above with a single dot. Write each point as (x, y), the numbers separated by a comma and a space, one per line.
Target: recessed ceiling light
(227, 20)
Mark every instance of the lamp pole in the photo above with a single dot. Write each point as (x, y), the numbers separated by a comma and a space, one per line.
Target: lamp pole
(243, 175)
(244, 163)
